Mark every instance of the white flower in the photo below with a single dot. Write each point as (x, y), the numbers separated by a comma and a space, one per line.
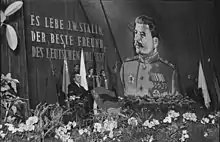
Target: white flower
(213, 121)
(70, 140)
(89, 133)
(8, 124)
(182, 139)
(151, 139)
(69, 123)
(132, 121)
(111, 134)
(173, 114)
(22, 127)
(72, 97)
(109, 125)
(211, 116)
(81, 131)
(167, 120)
(151, 124)
(85, 131)
(74, 124)
(184, 131)
(156, 122)
(217, 114)
(12, 129)
(56, 136)
(190, 116)
(146, 123)
(32, 120)
(30, 127)
(205, 134)
(115, 123)
(61, 133)
(204, 120)
(98, 127)
(2, 134)
(68, 127)
(105, 137)
(184, 136)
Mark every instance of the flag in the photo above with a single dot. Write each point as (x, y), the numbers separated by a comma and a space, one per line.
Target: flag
(113, 72)
(83, 71)
(66, 77)
(202, 84)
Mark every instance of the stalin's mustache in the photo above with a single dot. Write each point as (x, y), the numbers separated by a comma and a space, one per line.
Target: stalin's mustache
(138, 44)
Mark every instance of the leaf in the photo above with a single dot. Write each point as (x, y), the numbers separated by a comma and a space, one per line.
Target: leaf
(13, 85)
(8, 76)
(17, 102)
(2, 17)
(15, 80)
(47, 121)
(10, 119)
(4, 88)
(12, 8)
(14, 109)
(11, 37)
(37, 110)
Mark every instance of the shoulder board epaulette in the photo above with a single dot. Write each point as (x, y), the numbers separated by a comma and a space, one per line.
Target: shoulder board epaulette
(131, 59)
(167, 63)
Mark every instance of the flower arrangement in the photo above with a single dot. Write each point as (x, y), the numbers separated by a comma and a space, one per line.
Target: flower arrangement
(137, 122)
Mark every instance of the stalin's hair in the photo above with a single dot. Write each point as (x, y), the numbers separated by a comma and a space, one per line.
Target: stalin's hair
(143, 19)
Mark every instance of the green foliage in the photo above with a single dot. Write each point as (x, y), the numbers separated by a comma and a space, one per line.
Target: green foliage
(11, 104)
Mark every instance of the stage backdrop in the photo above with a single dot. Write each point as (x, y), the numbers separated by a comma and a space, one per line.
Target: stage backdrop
(49, 25)
(188, 34)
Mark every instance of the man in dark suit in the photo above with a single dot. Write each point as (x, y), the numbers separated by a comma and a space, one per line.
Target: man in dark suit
(75, 89)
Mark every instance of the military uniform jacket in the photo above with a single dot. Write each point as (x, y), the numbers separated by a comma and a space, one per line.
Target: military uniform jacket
(148, 76)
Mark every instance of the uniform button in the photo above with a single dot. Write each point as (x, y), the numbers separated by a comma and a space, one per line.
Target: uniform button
(141, 88)
(141, 78)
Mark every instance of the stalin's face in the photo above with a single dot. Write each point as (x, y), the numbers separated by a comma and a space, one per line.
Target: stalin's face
(143, 40)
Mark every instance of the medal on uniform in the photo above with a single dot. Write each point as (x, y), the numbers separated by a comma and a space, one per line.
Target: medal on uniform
(144, 66)
(131, 79)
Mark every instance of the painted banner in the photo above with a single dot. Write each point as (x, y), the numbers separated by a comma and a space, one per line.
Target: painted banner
(50, 25)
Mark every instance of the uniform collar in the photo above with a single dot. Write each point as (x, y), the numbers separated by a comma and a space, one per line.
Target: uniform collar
(149, 58)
